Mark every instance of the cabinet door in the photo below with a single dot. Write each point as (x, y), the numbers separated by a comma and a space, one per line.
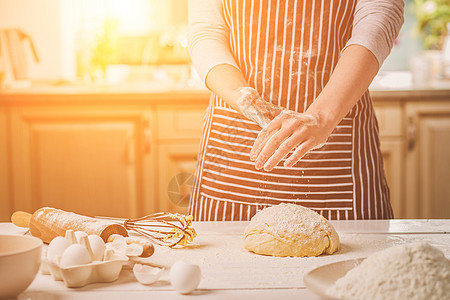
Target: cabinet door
(428, 157)
(179, 132)
(177, 162)
(5, 200)
(390, 118)
(392, 152)
(90, 160)
(389, 115)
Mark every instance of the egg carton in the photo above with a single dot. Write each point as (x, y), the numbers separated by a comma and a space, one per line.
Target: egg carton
(97, 271)
(94, 272)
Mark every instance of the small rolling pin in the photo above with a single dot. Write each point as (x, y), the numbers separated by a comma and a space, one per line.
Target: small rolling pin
(47, 223)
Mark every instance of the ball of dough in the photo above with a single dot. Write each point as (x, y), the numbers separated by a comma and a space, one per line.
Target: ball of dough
(290, 230)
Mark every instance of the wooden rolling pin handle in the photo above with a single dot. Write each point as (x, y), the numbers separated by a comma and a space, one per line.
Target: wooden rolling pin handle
(21, 219)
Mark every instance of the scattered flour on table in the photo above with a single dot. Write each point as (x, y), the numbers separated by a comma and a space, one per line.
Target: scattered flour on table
(412, 271)
(225, 264)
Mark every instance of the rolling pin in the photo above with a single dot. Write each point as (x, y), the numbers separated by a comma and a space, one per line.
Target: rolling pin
(47, 223)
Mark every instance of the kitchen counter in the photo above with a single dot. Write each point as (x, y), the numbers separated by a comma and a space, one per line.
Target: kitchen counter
(398, 85)
(231, 272)
(387, 86)
(129, 93)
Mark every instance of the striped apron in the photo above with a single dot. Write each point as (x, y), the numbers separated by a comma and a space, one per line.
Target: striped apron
(287, 50)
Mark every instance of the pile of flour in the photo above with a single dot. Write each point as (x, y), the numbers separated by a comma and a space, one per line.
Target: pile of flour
(411, 271)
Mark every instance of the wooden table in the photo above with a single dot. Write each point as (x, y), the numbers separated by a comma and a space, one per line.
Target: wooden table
(231, 272)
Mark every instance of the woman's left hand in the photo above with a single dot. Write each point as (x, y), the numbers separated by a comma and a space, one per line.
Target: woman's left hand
(289, 130)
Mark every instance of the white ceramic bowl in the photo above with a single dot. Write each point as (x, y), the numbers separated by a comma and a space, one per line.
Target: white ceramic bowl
(20, 259)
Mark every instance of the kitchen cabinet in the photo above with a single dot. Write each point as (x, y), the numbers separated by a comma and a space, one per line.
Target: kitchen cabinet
(415, 142)
(393, 168)
(94, 160)
(390, 121)
(96, 153)
(176, 175)
(179, 132)
(180, 121)
(427, 170)
(5, 198)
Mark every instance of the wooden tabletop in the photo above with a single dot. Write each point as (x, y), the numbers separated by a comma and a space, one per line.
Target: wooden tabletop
(231, 272)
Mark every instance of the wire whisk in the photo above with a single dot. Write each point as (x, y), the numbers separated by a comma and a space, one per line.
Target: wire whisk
(167, 229)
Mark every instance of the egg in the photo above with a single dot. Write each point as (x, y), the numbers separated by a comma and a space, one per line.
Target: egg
(98, 246)
(146, 274)
(56, 248)
(185, 277)
(75, 255)
(79, 234)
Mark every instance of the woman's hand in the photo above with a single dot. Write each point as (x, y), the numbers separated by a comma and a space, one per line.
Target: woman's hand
(251, 105)
(289, 130)
(229, 84)
(351, 77)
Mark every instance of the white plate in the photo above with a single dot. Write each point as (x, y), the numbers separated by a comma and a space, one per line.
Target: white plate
(320, 279)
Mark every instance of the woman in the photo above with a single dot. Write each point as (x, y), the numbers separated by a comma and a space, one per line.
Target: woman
(290, 118)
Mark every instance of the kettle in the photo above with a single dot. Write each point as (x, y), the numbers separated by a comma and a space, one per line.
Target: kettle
(15, 48)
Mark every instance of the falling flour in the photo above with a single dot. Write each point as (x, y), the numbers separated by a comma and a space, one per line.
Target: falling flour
(411, 271)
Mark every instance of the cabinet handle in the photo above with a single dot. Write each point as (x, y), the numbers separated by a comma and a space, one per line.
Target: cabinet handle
(411, 134)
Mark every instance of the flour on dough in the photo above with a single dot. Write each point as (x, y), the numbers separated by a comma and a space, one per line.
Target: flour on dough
(290, 230)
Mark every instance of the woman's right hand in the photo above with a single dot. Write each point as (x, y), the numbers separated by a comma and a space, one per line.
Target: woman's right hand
(251, 105)
(227, 82)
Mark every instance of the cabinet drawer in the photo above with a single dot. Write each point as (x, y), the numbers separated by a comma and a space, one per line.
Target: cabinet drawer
(180, 122)
(390, 119)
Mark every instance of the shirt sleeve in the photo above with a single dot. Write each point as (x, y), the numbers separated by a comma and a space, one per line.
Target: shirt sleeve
(376, 25)
(209, 43)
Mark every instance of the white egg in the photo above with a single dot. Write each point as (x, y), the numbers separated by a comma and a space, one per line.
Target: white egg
(98, 246)
(79, 234)
(185, 277)
(146, 274)
(56, 248)
(75, 255)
